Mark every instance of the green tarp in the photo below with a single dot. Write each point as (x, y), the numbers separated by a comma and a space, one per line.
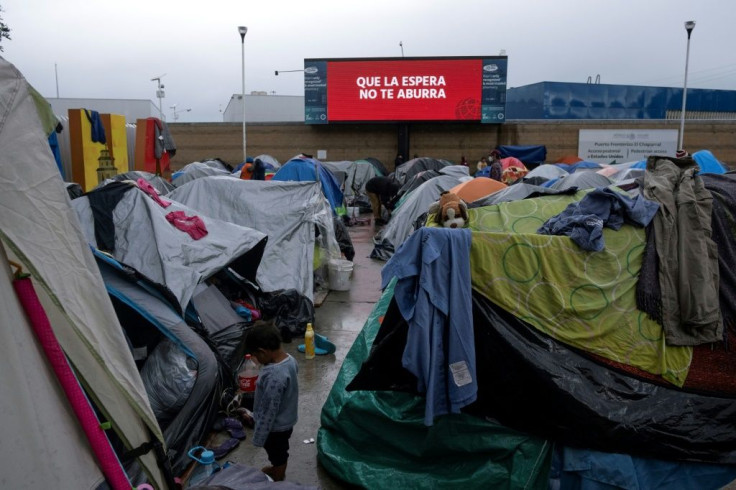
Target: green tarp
(378, 439)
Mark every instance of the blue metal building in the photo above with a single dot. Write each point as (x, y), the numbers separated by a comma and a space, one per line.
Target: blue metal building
(561, 100)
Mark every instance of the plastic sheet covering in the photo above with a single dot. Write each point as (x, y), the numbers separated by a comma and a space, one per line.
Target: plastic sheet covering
(533, 383)
(409, 169)
(402, 220)
(536, 384)
(287, 212)
(343, 238)
(378, 439)
(290, 311)
(169, 376)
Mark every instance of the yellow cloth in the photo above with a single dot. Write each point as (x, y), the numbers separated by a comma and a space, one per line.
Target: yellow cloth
(584, 299)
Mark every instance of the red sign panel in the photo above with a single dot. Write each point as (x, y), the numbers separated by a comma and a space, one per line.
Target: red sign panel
(404, 90)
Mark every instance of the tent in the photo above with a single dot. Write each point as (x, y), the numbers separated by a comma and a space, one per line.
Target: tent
(409, 169)
(547, 171)
(196, 170)
(136, 230)
(561, 354)
(40, 231)
(380, 167)
(477, 188)
(162, 185)
(582, 180)
(512, 169)
(287, 212)
(708, 163)
(271, 163)
(311, 170)
(413, 205)
(357, 173)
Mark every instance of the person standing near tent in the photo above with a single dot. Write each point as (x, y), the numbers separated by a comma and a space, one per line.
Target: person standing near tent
(380, 191)
(496, 167)
(277, 396)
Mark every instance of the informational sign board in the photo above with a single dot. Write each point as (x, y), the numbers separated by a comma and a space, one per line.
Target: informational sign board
(405, 89)
(625, 145)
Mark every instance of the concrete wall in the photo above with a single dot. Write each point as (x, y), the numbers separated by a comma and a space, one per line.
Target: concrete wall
(198, 141)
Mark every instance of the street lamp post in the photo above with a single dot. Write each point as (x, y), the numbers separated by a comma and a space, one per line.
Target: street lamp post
(243, 30)
(689, 26)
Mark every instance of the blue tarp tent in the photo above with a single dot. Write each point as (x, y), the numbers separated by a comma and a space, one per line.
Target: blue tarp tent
(529, 155)
(310, 169)
(708, 163)
(572, 167)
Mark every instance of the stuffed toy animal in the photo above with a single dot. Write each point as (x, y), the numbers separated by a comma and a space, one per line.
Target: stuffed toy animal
(450, 211)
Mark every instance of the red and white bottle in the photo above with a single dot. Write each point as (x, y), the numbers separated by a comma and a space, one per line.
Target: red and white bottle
(247, 376)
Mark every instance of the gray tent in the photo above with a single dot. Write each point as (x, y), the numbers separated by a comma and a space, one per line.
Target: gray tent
(401, 225)
(548, 171)
(162, 185)
(407, 170)
(43, 443)
(582, 179)
(134, 228)
(196, 170)
(357, 173)
(286, 211)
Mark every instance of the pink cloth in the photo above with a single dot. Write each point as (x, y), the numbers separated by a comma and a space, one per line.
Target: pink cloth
(146, 187)
(193, 225)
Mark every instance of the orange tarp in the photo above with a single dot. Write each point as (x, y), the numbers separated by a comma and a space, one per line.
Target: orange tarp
(473, 190)
(569, 159)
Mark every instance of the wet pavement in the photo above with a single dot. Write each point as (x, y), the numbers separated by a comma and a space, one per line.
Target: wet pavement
(340, 318)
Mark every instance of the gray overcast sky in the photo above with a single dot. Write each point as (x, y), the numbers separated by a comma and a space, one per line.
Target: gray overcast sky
(112, 49)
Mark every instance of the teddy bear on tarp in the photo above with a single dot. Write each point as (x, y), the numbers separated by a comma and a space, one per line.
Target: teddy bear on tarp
(450, 211)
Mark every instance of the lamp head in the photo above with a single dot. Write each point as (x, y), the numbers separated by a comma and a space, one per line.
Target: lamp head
(689, 26)
(276, 73)
(242, 30)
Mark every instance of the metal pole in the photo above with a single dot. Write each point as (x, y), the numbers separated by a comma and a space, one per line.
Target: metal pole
(243, 30)
(689, 27)
(56, 73)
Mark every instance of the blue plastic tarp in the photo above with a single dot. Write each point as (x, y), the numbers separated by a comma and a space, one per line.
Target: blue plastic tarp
(309, 169)
(530, 154)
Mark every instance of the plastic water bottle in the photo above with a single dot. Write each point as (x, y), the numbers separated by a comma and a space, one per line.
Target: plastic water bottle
(309, 342)
(247, 378)
(205, 465)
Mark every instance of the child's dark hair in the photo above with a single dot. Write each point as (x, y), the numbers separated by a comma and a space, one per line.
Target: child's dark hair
(262, 335)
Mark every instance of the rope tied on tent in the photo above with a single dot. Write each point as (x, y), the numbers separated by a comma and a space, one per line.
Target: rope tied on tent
(107, 460)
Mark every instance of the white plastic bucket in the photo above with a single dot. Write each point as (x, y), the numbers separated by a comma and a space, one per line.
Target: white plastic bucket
(339, 271)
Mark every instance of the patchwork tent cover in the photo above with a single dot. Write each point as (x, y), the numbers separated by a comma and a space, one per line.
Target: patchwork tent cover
(287, 212)
(562, 351)
(134, 229)
(377, 439)
(44, 446)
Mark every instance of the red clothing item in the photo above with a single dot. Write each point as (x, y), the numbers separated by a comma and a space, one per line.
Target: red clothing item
(193, 225)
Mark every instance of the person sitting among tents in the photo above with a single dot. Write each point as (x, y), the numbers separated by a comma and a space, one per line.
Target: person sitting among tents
(380, 190)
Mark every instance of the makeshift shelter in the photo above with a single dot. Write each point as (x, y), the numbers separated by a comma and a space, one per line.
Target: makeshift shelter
(561, 353)
(581, 165)
(141, 233)
(581, 180)
(311, 170)
(512, 169)
(380, 167)
(40, 231)
(271, 163)
(477, 188)
(414, 205)
(547, 171)
(409, 169)
(357, 173)
(162, 185)
(287, 212)
(708, 163)
(196, 170)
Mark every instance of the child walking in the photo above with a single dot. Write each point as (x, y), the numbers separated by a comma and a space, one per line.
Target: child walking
(276, 399)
